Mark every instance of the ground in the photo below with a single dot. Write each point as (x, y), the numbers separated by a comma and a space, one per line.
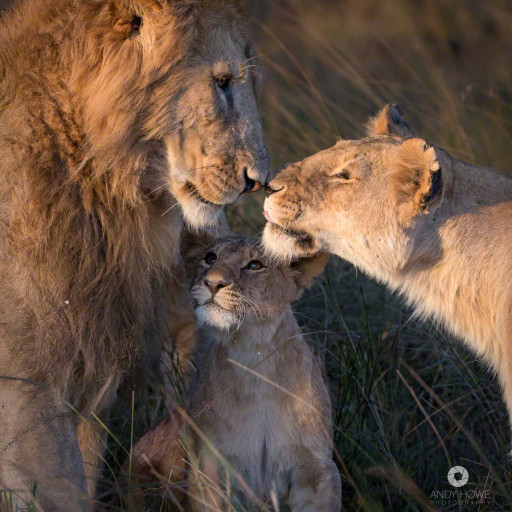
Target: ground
(409, 402)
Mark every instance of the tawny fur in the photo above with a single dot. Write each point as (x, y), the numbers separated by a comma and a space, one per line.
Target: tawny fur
(433, 228)
(110, 115)
(260, 399)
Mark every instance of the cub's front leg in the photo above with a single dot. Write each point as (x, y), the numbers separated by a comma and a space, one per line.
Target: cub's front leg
(315, 486)
(206, 490)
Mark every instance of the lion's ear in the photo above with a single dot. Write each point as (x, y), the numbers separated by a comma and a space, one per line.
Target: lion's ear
(127, 15)
(389, 121)
(306, 270)
(416, 180)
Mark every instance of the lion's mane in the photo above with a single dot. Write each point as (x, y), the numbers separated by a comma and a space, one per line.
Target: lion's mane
(88, 233)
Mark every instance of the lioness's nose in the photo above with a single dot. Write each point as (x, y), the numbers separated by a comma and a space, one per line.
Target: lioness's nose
(250, 184)
(269, 190)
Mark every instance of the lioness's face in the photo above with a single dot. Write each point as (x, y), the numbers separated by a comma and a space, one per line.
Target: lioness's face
(339, 200)
(217, 152)
(235, 282)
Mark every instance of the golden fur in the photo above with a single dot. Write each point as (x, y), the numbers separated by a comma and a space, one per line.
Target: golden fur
(260, 398)
(433, 228)
(115, 117)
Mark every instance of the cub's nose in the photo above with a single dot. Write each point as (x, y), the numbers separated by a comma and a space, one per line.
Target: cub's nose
(215, 284)
(250, 184)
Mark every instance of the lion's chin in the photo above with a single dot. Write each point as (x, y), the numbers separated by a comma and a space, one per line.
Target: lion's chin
(198, 211)
(285, 245)
(200, 215)
(213, 315)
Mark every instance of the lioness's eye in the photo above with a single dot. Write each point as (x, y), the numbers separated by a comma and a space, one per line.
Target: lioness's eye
(210, 258)
(254, 265)
(223, 81)
(344, 174)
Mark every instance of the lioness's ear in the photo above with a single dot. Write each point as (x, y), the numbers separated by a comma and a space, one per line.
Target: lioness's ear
(416, 180)
(306, 270)
(389, 121)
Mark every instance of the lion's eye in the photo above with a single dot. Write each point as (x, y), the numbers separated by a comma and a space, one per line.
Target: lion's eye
(254, 265)
(223, 82)
(210, 258)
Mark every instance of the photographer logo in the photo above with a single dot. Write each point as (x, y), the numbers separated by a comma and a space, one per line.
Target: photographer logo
(458, 476)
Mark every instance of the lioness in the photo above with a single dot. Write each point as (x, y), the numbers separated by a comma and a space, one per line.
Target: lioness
(260, 399)
(118, 118)
(433, 228)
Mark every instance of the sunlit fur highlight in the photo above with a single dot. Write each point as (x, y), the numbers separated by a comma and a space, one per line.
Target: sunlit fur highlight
(435, 229)
(93, 107)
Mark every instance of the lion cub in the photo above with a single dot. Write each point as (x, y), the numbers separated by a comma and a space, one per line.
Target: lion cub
(260, 406)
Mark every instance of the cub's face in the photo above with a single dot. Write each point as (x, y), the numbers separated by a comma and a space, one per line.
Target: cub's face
(359, 200)
(234, 282)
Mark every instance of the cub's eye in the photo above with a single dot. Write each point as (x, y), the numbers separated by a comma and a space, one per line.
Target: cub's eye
(223, 82)
(254, 265)
(210, 258)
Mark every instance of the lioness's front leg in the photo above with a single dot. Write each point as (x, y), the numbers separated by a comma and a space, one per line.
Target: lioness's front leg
(315, 486)
(40, 462)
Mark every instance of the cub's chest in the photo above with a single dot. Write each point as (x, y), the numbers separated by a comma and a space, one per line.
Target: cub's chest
(256, 440)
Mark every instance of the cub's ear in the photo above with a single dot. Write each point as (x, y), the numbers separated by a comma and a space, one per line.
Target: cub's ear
(193, 246)
(389, 121)
(306, 270)
(416, 180)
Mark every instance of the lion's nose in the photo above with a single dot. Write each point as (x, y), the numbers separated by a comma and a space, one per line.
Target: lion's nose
(250, 184)
(269, 190)
(215, 285)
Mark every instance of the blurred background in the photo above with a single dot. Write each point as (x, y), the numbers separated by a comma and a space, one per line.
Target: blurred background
(408, 401)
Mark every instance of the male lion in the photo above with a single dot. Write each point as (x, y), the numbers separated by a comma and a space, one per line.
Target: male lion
(116, 116)
(433, 228)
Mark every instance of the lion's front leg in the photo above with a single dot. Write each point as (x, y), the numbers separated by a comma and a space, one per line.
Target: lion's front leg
(40, 461)
(92, 440)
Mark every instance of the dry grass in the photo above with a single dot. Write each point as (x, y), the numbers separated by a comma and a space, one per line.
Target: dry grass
(409, 402)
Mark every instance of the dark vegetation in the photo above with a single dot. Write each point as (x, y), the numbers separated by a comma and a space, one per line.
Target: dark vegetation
(409, 402)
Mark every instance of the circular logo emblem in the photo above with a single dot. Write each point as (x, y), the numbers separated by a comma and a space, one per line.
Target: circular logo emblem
(458, 476)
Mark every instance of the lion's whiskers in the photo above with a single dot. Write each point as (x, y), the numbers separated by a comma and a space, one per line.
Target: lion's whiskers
(187, 196)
